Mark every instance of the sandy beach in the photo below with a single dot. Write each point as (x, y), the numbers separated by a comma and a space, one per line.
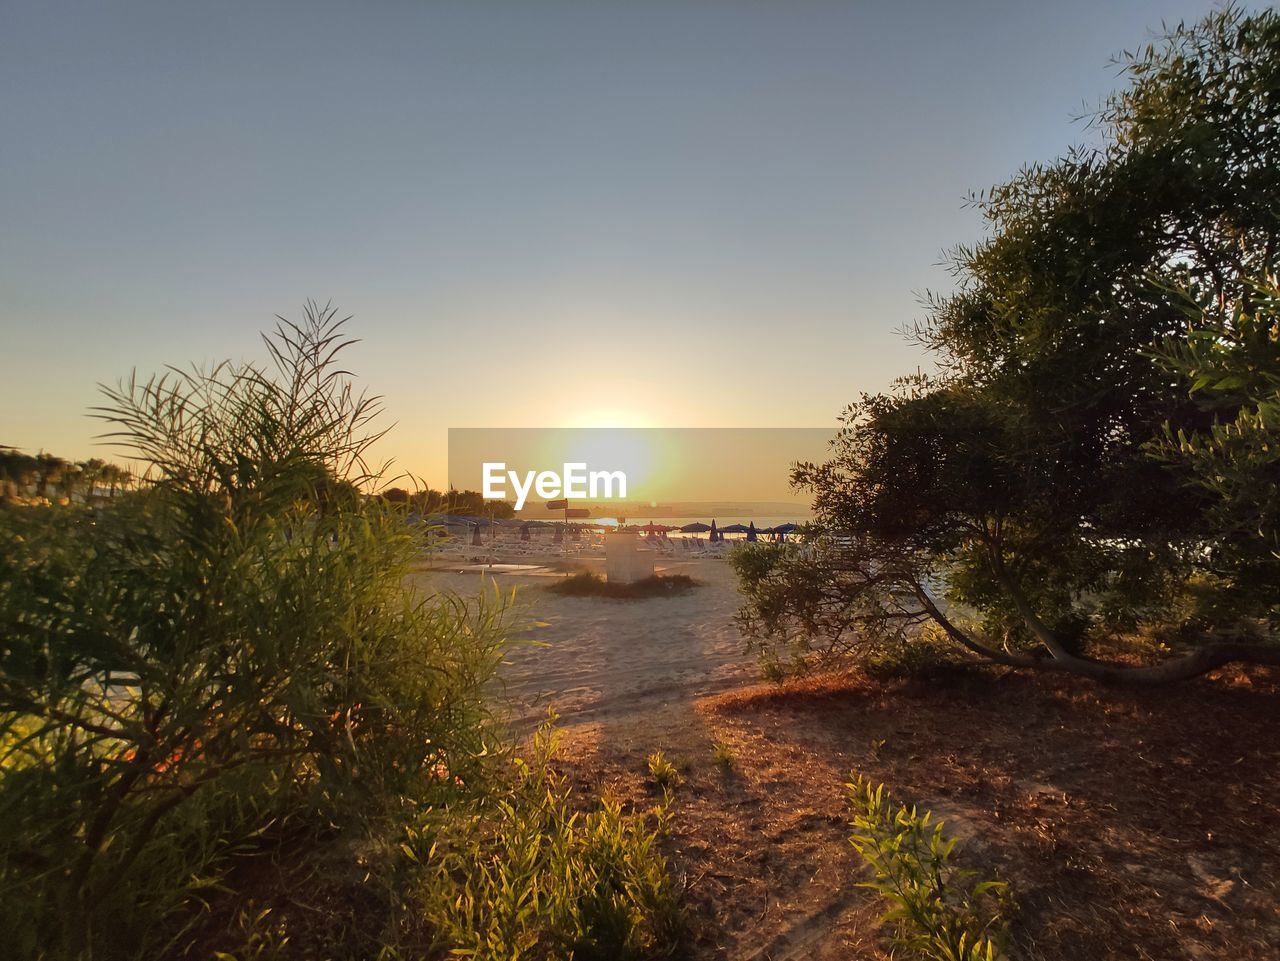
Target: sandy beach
(605, 661)
(761, 849)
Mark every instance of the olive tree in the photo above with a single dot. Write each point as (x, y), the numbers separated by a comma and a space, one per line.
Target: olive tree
(1025, 500)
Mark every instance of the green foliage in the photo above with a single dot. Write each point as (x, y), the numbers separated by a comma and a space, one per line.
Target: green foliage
(525, 876)
(723, 753)
(1017, 487)
(803, 612)
(926, 655)
(224, 657)
(1232, 367)
(662, 772)
(937, 912)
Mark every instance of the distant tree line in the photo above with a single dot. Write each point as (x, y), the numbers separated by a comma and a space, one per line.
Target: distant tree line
(465, 503)
(47, 476)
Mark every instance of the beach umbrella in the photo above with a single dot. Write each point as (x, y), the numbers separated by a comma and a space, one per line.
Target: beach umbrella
(695, 528)
(715, 535)
(475, 536)
(751, 533)
(451, 520)
(786, 528)
(733, 529)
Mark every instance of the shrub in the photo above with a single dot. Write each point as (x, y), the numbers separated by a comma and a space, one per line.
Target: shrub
(662, 772)
(587, 584)
(724, 757)
(526, 876)
(926, 655)
(226, 651)
(935, 910)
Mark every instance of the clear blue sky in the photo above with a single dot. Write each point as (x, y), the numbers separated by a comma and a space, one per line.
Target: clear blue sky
(510, 196)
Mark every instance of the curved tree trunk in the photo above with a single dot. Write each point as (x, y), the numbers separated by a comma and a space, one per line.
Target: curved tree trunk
(1198, 662)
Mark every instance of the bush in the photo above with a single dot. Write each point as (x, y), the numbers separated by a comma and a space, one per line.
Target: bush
(587, 584)
(927, 655)
(225, 670)
(662, 772)
(526, 876)
(936, 912)
(220, 658)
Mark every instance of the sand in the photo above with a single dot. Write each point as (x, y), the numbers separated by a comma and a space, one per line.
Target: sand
(603, 660)
(1133, 824)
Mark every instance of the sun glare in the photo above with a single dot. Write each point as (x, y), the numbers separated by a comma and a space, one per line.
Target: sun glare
(610, 417)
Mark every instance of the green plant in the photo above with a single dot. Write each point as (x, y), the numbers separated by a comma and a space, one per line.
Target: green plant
(724, 757)
(1086, 443)
(527, 876)
(223, 659)
(662, 772)
(262, 937)
(925, 654)
(937, 913)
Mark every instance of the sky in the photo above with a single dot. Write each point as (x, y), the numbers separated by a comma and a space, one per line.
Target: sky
(538, 213)
(657, 465)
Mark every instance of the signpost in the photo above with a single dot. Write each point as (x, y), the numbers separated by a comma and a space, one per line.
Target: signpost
(563, 505)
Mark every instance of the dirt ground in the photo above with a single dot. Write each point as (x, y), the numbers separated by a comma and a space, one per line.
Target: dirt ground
(1131, 823)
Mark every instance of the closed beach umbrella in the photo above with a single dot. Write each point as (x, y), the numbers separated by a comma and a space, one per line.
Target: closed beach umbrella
(559, 538)
(715, 535)
(751, 533)
(475, 537)
(524, 532)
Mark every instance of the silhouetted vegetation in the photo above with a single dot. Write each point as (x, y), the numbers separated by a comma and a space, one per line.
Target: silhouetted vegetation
(226, 669)
(1097, 459)
(587, 584)
(464, 503)
(45, 476)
